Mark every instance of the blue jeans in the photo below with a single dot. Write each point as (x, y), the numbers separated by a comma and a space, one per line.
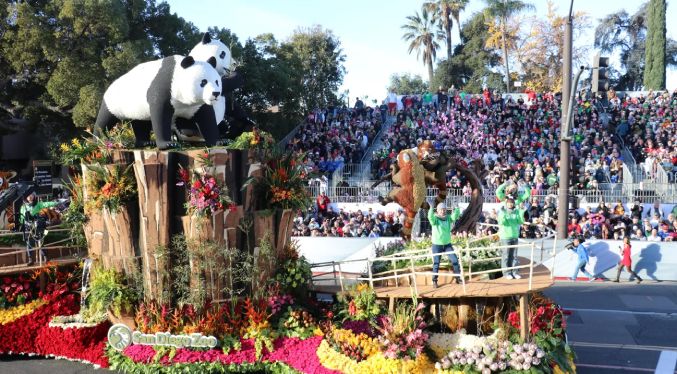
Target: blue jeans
(509, 256)
(438, 248)
(581, 267)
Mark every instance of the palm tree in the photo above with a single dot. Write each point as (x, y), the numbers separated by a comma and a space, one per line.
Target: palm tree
(422, 33)
(441, 11)
(457, 6)
(501, 11)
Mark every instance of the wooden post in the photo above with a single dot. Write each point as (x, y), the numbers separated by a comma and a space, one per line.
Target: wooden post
(391, 305)
(524, 316)
(463, 312)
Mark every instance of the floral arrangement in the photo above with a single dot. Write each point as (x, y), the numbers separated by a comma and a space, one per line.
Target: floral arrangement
(253, 139)
(402, 333)
(107, 291)
(442, 343)
(283, 182)
(358, 303)
(15, 292)
(109, 187)
(16, 312)
(298, 323)
(205, 195)
(494, 358)
(377, 363)
(289, 355)
(94, 149)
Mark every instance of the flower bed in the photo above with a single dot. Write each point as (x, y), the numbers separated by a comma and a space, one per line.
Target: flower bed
(14, 313)
(376, 363)
(31, 334)
(288, 356)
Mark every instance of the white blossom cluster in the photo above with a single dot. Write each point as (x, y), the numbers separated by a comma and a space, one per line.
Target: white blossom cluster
(494, 358)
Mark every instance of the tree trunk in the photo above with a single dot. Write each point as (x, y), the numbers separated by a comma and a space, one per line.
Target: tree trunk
(430, 75)
(447, 29)
(505, 57)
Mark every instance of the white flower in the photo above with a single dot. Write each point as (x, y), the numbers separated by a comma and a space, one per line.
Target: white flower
(493, 366)
(526, 366)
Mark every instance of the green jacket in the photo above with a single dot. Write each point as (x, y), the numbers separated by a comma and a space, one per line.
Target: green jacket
(442, 227)
(500, 194)
(509, 222)
(34, 210)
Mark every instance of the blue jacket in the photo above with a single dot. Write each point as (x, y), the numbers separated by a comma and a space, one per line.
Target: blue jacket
(582, 253)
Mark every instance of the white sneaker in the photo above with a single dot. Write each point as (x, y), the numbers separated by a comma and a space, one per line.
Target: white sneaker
(509, 276)
(516, 276)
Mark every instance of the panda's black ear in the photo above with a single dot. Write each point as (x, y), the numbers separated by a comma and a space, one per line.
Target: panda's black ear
(187, 62)
(206, 38)
(212, 61)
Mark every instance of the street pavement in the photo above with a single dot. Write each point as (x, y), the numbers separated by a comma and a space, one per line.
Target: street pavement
(614, 328)
(621, 327)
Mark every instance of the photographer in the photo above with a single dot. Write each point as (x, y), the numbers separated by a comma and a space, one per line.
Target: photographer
(34, 222)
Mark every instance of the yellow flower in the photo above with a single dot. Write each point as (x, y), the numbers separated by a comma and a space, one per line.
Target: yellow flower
(14, 313)
(362, 287)
(76, 143)
(64, 147)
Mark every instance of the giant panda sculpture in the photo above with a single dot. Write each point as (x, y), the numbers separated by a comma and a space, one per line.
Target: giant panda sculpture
(224, 107)
(160, 92)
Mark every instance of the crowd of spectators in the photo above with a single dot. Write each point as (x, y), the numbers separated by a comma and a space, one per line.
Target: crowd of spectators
(335, 136)
(648, 125)
(348, 223)
(616, 222)
(514, 138)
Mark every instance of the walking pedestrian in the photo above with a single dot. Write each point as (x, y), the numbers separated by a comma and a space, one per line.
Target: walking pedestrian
(441, 222)
(626, 261)
(583, 259)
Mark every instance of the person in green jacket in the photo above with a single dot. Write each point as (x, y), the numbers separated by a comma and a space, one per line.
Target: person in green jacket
(510, 219)
(442, 222)
(29, 212)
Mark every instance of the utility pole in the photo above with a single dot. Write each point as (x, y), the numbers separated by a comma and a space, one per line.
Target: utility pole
(565, 141)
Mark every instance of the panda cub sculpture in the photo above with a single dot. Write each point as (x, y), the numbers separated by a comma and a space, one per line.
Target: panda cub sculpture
(160, 92)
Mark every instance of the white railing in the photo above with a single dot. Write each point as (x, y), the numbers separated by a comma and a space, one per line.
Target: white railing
(338, 278)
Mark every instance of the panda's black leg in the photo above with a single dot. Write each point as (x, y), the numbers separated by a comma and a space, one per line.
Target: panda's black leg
(141, 133)
(104, 120)
(206, 122)
(161, 120)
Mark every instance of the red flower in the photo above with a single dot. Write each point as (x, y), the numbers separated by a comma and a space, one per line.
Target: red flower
(232, 207)
(352, 308)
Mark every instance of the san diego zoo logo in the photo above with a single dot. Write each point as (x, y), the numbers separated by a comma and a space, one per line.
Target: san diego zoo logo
(120, 337)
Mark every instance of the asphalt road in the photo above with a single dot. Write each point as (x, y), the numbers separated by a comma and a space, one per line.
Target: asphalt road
(614, 328)
(621, 328)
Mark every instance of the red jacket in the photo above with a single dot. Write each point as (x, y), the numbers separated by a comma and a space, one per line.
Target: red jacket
(626, 260)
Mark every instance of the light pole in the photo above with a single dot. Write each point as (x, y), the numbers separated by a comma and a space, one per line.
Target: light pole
(565, 142)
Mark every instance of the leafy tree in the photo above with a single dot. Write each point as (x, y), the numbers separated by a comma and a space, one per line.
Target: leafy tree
(423, 35)
(318, 56)
(654, 71)
(404, 84)
(471, 65)
(500, 11)
(541, 50)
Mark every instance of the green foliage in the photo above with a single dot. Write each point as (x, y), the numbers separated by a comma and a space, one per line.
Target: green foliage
(471, 65)
(108, 290)
(654, 67)
(317, 57)
(122, 363)
(358, 303)
(294, 275)
(407, 84)
(296, 323)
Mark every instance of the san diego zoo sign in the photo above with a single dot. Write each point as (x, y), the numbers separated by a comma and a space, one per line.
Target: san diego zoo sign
(120, 336)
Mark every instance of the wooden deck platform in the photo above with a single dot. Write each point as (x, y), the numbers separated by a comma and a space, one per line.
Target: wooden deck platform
(23, 268)
(474, 288)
